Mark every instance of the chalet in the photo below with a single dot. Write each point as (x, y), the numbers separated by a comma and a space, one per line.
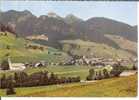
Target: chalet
(40, 64)
(38, 37)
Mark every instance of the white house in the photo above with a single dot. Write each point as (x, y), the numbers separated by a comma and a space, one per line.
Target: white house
(16, 66)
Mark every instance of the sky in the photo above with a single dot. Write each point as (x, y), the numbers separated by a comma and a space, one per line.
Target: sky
(120, 11)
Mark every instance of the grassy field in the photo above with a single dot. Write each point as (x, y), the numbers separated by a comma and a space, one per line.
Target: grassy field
(15, 47)
(81, 47)
(61, 71)
(65, 71)
(128, 45)
(114, 87)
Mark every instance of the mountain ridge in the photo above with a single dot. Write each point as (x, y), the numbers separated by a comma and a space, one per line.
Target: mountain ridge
(93, 29)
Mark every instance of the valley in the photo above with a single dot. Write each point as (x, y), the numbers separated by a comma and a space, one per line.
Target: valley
(66, 56)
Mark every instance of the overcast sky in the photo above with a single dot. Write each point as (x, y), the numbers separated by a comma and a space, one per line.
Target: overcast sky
(121, 11)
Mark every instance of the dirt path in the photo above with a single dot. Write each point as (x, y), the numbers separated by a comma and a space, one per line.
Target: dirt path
(85, 82)
(128, 73)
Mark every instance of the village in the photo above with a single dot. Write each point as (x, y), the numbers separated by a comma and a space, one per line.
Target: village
(74, 60)
(42, 78)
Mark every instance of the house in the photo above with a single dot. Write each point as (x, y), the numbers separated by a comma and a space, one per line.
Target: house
(15, 66)
(40, 64)
(38, 37)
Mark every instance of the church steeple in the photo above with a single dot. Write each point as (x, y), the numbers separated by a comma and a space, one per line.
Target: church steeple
(10, 63)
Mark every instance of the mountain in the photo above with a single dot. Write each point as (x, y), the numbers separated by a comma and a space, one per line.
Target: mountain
(54, 15)
(108, 26)
(71, 19)
(18, 19)
(71, 27)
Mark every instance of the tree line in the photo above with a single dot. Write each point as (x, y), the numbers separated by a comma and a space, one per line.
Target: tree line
(22, 79)
(117, 69)
(43, 78)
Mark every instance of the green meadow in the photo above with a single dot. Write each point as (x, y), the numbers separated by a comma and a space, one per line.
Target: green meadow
(113, 87)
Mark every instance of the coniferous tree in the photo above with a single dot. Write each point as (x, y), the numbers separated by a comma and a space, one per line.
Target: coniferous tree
(100, 75)
(134, 67)
(46, 78)
(105, 73)
(91, 74)
(5, 65)
(10, 86)
(3, 81)
(117, 70)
